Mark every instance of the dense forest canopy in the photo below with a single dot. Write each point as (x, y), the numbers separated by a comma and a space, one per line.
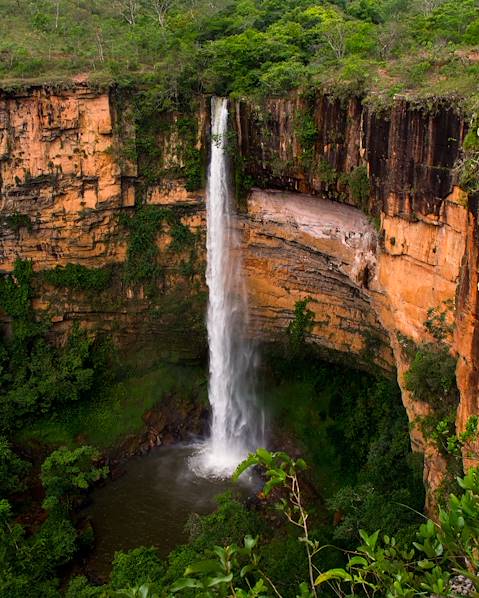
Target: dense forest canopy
(245, 47)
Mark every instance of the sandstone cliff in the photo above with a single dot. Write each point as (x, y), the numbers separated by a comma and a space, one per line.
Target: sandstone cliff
(398, 168)
(65, 178)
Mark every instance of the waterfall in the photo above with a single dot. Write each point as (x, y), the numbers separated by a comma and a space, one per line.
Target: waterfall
(237, 423)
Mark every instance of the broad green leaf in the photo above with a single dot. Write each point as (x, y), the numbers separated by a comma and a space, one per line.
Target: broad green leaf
(250, 542)
(357, 560)
(220, 579)
(265, 455)
(332, 574)
(244, 465)
(186, 582)
(425, 564)
(272, 484)
(206, 566)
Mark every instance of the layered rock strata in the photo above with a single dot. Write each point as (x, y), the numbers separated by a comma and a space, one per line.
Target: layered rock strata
(305, 247)
(398, 167)
(65, 180)
(366, 296)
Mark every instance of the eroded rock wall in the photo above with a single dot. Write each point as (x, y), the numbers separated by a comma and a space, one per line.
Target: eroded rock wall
(300, 246)
(426, 251)
(67, 174)
(66, 167)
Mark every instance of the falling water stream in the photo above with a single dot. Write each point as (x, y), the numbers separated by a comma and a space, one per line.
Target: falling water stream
(237, 423)
(151, 503)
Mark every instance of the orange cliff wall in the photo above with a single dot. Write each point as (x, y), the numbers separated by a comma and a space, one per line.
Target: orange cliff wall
(63, 164)
(426, 251)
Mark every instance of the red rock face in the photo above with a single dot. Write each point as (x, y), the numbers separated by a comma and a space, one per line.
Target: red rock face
(467, 328)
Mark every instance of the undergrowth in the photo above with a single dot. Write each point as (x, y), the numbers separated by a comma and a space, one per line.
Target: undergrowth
(78, 277)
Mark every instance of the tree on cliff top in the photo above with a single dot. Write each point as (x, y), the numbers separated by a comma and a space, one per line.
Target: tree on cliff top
(240, 46)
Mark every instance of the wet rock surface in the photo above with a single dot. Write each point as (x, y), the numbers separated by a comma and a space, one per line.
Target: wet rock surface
(171, 421)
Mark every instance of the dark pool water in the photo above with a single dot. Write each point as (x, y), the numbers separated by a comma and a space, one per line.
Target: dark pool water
(151, 503)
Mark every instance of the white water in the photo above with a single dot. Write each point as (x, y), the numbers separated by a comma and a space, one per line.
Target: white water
(237, 423)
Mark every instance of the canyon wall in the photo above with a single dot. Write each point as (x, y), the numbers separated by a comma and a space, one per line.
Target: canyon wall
(359, 212)
(397, 168)
(66, 179)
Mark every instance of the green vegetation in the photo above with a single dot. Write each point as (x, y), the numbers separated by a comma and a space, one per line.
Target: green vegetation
(432, 376)
(242, 181)
(17, 221)
(30, 559)
(62, 396)
(37, 378)
(301, 325)
(138, 566)
(353, 430)
(358, 183)
(78, 278)
(144, 227)
(16, 295)
(117, 411)
(431, 379)
(65, 472)
(385, 567)
(442, 559)
(165, 142)
(438, 322)
(468, 167)
(306, 132)
(182, 47)
(12, 469)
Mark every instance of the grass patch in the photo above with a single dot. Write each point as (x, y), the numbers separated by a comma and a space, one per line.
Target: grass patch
(119, 412)
(78, 277)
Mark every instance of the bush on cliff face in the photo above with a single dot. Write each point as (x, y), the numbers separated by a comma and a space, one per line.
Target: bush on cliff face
(17, 221)
(78, 277)
(144, 226)
(35, 377)
(360, 187)
(468, 167)
(300, 326)
(432, 376)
